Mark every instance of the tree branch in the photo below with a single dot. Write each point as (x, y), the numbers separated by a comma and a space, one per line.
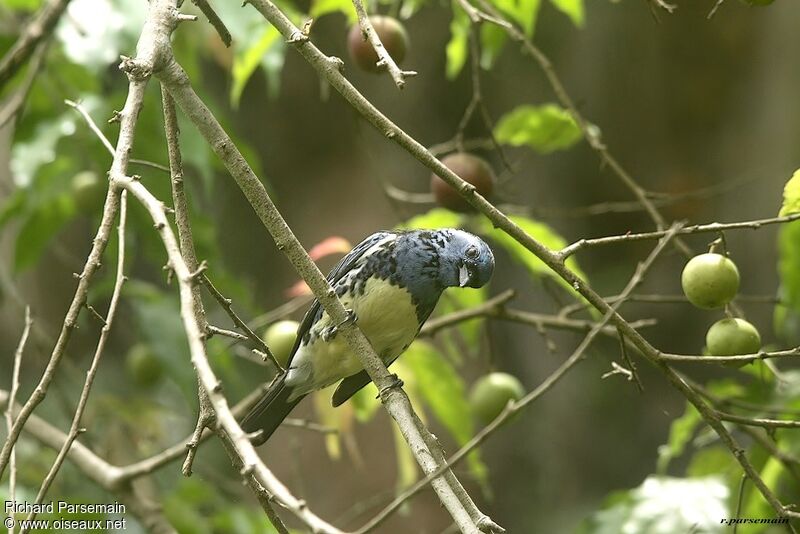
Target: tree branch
(384, 59)
(395, 400)
(23, 340)
(514, 407)
(75, 429)
(40, 27)
(327, 68)
(98, 470)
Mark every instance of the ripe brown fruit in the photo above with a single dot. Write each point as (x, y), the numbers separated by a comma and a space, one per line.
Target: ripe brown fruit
(391, 33)
(471, 169)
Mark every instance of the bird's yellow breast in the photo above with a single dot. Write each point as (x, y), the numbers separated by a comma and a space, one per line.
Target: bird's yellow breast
(387, 316)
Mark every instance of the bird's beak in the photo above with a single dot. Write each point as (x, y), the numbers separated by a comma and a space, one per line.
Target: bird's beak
(463, 275)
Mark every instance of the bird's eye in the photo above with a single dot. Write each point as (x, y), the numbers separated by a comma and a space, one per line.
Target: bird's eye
(472, 252)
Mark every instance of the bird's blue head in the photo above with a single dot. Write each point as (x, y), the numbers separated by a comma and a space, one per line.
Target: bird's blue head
(466, 260)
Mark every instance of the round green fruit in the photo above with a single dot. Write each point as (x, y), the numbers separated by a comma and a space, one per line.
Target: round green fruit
(88, 191)
(491, 394)
(469, 168)
(731, 337)
(710, 280)
(280, 338)
(391, 33)
(143, 366)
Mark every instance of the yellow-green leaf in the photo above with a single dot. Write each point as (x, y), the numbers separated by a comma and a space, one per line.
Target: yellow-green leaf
(247, 60)
(324, 7)
(791, 195)
(540, 232)
(544, 128)
(456, 50)
(571, 8)
(433, 219)
(443, 391)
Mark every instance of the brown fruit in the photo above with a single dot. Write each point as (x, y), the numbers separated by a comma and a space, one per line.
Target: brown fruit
(391, 33)
(471, 169)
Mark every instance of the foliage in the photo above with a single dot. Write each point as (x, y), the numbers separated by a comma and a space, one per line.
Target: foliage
(697, 479)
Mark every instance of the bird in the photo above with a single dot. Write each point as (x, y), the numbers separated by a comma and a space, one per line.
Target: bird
(390, 284)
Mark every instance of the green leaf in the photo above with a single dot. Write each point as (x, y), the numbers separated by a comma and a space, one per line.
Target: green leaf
(433, 219)
(247, 59)
(28, 157)
(461, 299)
(524, 12)
(324, 7)
(665, 504)
(493, 38)
(680, 433)
(571, 8)
(786, 318)
(159, 320)
(365, 404)
(444, 392)
(39, 229)
(544, 128)
(539, 231)
(791, 195)
(407, 471)
(456, 50)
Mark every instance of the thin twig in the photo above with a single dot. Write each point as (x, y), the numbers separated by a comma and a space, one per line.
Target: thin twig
(98, 470)
(514, 407)
(13, 107)
(394, 398)
(590, 133)
(756, 224)
(214, 20)
(12, 467)
(75, 427)
(106, 143)
(384, 59)
(205, 412)
(40, 27)
(227, 305)
(253, 470)
(328, 69)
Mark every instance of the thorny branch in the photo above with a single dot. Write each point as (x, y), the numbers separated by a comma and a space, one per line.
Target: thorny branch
(75, 429)
(327, 68)
(384, 59)
(23, 340)
(548, 383)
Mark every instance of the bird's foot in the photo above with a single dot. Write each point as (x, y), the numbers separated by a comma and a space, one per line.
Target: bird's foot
(397, 382)
(330, 332)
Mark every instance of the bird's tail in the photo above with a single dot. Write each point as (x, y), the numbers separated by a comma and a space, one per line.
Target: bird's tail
(270, 411)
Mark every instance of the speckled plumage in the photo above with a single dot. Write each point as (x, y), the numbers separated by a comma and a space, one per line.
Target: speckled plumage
(392, 282)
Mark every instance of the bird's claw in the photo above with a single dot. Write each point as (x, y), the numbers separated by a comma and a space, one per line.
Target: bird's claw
(397, 382)
(329, 333)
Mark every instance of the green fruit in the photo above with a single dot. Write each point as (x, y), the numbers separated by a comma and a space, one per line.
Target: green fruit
(88, 191)
(732, 337)
(391, 33)
(280, 338)
(491, 393)
(710, 280)
(469, 168)
(143, 366)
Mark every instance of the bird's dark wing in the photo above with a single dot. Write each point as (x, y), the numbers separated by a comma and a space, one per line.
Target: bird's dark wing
(350, 386)
(344, 266)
